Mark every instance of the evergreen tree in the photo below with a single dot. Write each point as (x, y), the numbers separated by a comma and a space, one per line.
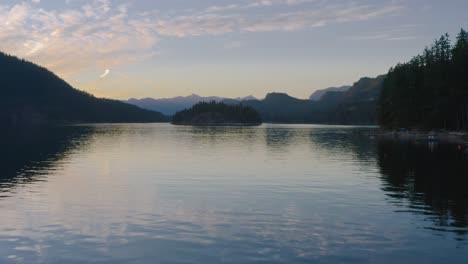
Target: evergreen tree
(429, 91)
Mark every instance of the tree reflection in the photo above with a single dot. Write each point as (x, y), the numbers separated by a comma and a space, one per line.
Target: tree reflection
(427, 179)
(28, 153)
(432, 178)
(345, 141)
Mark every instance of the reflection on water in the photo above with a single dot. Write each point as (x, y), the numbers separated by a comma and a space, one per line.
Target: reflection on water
(269, 194)
(429, 179)
(27, 154)
(345, 141)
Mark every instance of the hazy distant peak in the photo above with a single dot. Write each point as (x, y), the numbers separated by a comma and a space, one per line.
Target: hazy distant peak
(193, 96)
(317, 95)
(250, 97)
(246, 98)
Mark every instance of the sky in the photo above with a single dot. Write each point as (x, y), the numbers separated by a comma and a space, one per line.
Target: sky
(232, 48)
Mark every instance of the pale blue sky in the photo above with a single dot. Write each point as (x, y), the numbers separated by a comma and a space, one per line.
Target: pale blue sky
(221, 47)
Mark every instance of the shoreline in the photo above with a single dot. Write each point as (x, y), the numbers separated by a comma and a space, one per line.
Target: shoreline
(453, 137)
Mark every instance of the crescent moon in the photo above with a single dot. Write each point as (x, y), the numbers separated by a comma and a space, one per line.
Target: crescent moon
(105, 74)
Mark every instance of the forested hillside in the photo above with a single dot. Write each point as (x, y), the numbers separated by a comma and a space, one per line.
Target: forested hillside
(33, 95)
(431, 90)
(355, 105)
(358, 105)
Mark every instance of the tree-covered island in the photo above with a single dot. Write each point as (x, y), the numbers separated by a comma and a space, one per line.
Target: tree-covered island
(213, 113)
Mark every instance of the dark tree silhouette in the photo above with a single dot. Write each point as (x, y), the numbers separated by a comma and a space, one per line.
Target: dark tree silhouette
(431, 90)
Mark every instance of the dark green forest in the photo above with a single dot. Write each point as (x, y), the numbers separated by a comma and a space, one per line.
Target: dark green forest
(33, 95)
(431, 90)
(217, 113)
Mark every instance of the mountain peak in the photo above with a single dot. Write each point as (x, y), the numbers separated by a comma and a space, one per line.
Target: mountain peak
(275, 95)
(249, 97)
(317, 95)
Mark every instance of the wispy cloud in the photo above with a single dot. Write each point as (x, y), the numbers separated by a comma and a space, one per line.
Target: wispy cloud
(255, 4)
(402, 32)
(69, 41)
(216, 24)
(94, 34)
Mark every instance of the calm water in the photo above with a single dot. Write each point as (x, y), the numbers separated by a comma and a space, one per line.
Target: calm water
(270, 194)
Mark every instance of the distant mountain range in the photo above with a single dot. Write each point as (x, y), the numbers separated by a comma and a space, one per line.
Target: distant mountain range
(33, 95)
(170, 106)
(354, 104)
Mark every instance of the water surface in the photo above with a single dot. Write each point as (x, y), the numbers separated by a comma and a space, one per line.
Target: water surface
(156, 193)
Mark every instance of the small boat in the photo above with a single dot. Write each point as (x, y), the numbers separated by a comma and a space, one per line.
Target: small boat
(432, 138)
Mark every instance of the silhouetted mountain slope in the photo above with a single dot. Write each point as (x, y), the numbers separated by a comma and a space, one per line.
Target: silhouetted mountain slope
(32, 94)
(357, 105)
(170, 106)
(280, 107)
(317, 95)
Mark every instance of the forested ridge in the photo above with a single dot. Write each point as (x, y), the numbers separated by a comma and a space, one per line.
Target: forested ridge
(431, 90)
(33, 95)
